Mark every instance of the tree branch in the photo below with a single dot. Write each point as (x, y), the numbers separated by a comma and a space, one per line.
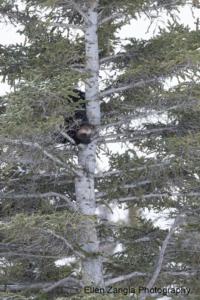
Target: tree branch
(143, 82)
(161, 256)
(105, 59)
(112, 17)
(66, 243)
(31, 255)
(47, 287)
(124, 277)
(133, 118)
(126, 186)
(155, 196)
(65, 25)
(165, 243)
(114, 244)
(132, 85)
(180, 273)
(69, 281)
(78, 9)
(116, 172)
(49, 194)
(143, 133)
(26, 286)
(11, 181)
(36, 145)
(66, 136)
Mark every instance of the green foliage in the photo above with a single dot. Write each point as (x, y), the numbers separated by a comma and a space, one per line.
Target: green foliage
(158, 170)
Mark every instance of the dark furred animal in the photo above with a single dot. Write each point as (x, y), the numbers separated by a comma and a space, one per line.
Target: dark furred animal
(81, 128)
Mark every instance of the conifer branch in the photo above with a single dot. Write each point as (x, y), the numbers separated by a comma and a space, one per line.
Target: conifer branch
(161, 256)
(126, 186)
(129, 86)
(46, 286)
(155, 196)
(31, 255)
(49, 194)
(133, 118)
(69, 281)
(109, 58)
(145, 82)
(113, 57)
(65, 25)
(124, 277)
(112, 17)
(116, 172)
(36, 145)
(66, 136)
(143, 134)
(65, 242)
(114, 244)
(79, 10)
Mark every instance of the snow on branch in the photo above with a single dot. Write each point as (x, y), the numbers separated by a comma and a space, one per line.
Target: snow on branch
(161, 256)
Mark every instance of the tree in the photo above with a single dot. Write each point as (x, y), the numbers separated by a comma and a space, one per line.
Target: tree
(49, 192)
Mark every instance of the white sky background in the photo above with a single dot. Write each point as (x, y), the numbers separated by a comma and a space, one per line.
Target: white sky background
(138, 29)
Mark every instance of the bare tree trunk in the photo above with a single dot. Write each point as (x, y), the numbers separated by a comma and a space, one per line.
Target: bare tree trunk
(85, 194)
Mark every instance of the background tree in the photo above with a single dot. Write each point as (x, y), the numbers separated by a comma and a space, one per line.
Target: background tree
(50, 192)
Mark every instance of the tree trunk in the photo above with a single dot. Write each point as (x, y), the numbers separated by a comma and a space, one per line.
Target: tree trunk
(84, 185)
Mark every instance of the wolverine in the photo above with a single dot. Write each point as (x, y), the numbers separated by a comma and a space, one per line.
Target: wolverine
(78, 126)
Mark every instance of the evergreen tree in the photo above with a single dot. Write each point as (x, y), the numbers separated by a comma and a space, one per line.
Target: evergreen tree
(50, 191)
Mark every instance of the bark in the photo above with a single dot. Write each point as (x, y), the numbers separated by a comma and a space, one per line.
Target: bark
(84, 185)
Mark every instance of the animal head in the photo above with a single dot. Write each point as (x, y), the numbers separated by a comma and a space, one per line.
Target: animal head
(83, 134)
